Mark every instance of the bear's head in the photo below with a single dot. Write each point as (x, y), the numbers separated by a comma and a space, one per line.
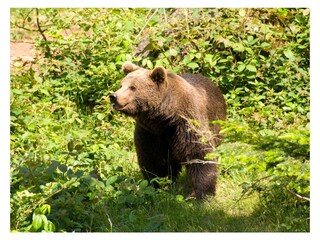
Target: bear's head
(141, 91)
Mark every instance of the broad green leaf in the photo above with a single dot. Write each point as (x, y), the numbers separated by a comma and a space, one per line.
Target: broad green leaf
(241, 67)
(17, 91)
(143, 184)
(179, 198)
(289, 54)
(149, 64)
(78, 147)
(111, 180)
(208, 57)
(265, 45)
(70, 146)
(193, 65)
(187, 59)
(50, 227)
(198, 55)
(173, 52)
(63, 168)
(101, 116)
(251, 68)
(45, 209)
(238, 47)
(100, 184)
(37, 222)
(44, 221)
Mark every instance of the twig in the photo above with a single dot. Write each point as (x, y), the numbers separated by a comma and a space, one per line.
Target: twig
(24, 28)
(302, 198)
(146, 23)
(48, 50)
(251, 189)
(39, 27)
(199, 161)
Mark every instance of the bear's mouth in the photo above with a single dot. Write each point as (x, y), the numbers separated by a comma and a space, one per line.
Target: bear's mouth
(118, 107)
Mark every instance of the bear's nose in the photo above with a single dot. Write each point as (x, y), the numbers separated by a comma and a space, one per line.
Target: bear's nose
(113, 97)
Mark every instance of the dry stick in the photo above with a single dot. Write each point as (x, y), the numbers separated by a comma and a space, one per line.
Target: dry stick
(302, 198)
(199, 161)
(145, 23)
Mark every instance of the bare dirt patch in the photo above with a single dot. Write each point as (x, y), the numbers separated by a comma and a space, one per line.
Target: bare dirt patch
(21, 52)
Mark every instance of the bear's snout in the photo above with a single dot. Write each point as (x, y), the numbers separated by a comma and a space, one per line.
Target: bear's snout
(117, 103)
(113, 97)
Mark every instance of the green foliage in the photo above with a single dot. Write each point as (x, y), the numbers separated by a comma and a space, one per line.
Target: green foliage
(40, 221)
(73, 166)
(282, 159)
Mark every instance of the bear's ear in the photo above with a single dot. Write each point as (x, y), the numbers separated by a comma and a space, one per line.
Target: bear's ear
(159, 75)
(129, 67)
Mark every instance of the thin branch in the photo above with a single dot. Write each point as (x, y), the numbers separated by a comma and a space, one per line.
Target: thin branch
(24, 20)
(39, 27)
(146, 23)
(24, 28)
(47, 48)
(302, 198)
(199, 161)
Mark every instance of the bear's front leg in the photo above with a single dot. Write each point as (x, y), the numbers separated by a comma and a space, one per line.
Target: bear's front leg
(203, 177)
(154, 156)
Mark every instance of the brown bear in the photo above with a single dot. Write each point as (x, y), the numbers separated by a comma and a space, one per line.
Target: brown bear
(163, 105)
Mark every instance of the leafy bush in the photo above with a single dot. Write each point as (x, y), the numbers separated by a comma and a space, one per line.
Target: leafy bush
(276, 162)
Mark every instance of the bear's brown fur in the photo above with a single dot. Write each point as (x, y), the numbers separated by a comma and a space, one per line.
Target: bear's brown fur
(162, 105)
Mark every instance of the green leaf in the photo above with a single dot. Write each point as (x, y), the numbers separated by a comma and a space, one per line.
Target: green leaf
(289, 54)
(179, 198)
(143, 184)
(187, 59)
(46, 208)
(265, 45)
(111, 180)
(251, 68)
(238, 47)
(149, 64)
(37, 222)
(101, 116)
(193, 65)
(50, 227)
(173, 52)
(198, 55)
(17, 91)
(241, 67)
(70, 146)
(44, 221)
(208, 57)
(100, 184)
(78, 147)
(63, 168)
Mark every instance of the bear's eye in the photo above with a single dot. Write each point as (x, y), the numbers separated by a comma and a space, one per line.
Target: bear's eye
(132, 88)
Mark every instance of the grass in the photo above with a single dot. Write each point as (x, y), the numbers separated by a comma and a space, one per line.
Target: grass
(229, 211)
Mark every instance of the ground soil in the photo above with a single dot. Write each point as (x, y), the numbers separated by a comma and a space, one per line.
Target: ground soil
(21, 52)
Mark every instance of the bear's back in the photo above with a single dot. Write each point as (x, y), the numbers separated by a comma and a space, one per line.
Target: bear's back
(199, 81)
(216, 104)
